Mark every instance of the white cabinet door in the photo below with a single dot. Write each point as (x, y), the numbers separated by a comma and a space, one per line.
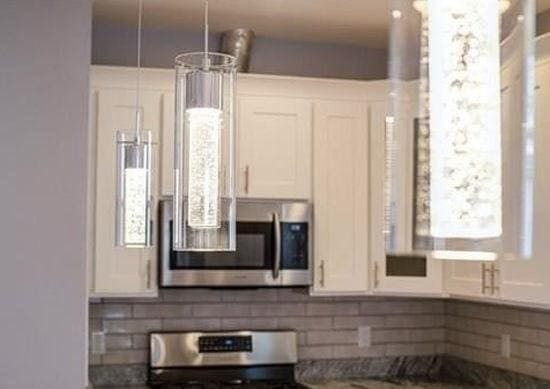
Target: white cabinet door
(121, 271)
(465, 278)
(398, 274)
(340, 175)
(167, 144)
(528, 280)
(274, 147)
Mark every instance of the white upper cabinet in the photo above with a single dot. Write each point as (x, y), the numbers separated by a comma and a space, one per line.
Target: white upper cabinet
(529, 280)
(397, 274)
(116, 270)
(167, 144)
(341, 194)
(274, 147)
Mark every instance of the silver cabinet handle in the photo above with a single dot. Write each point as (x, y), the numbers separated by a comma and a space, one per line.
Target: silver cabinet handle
(494, 287)
(484, 271)
(322, 279)
(247, 179)
(277, 259)
(149, 265)
(376, 279)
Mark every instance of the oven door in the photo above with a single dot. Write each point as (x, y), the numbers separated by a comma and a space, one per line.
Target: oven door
(256, 262)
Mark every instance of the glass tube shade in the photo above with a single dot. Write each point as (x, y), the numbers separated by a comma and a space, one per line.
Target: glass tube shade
(133, 194)
(204, 163)
(460, 133)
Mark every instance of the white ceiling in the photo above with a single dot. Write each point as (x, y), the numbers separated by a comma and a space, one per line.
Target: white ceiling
(362, 22)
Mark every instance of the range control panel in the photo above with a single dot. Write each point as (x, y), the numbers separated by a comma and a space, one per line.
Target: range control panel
(224, 344)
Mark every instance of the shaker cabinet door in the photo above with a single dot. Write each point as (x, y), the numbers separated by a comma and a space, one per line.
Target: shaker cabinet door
(416, 275)
(527, 280)
(340, 196)
(273, 147)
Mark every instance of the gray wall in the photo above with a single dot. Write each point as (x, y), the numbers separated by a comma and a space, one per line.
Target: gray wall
(44, 66)
(116, 45)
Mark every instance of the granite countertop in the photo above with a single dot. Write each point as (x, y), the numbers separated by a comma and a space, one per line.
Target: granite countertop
(357, 384)
(393, 383)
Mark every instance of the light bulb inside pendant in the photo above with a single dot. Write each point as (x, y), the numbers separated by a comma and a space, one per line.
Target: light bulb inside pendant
(204, 161)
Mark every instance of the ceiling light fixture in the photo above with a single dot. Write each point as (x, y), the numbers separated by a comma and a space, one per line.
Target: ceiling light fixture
(133, 226)
(204, 165)
(471, 147)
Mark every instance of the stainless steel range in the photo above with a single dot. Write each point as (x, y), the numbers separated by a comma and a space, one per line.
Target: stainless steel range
(213, 360)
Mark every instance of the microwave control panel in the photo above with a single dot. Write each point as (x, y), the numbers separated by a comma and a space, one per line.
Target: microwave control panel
(294, 246)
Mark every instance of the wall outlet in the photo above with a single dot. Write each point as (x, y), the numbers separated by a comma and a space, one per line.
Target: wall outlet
(505, 345)
(364, 336)
(97, 343)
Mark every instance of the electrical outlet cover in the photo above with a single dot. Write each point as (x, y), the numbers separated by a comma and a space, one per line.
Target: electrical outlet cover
(98, 343)
(505, 345)
(364, 336)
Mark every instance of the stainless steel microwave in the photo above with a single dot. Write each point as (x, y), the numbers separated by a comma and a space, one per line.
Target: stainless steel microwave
(273, 249)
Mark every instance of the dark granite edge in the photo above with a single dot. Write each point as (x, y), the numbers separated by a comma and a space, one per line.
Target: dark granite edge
(443, 368)
(461, 370)
(402, 366)
(117, 375)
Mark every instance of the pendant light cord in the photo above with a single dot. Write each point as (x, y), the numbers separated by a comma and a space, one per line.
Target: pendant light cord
(138, 78)
(206, 28)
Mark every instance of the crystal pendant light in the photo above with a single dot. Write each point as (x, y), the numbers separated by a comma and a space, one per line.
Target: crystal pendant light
(460, 134)
(204, 190)
(133, 174)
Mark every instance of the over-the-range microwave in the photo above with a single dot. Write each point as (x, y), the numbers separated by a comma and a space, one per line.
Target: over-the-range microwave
(273, 249)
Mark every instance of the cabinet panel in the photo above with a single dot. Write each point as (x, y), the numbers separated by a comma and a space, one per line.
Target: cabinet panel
(387, 276)
(464, 278)
(528, 280)
(341, 196)
(274, 147)
(167, 143)
(120, 270)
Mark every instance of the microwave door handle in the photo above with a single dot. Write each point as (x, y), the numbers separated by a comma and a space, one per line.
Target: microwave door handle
(277, 259)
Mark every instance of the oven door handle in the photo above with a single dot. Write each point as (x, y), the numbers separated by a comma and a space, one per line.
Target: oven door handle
(277, 259)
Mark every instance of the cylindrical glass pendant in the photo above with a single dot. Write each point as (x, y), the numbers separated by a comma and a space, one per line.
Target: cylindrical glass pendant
(204, 164)
(133, 195)
(460, 133)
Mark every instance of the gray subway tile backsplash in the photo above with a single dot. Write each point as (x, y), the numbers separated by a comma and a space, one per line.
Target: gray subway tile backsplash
(328, 327)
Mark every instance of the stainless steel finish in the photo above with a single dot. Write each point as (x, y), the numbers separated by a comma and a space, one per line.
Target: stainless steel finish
(296, 277)
(277, 256)
(218, 278)
(182, 349)
(251, 210)
(238, 43)
(322, 279)
(246, 179)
